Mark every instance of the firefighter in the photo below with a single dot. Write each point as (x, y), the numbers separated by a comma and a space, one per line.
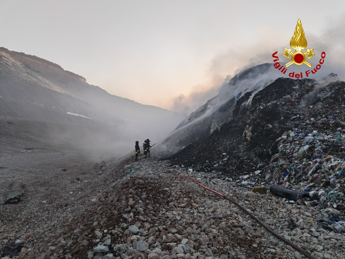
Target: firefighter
(137, 150)
(147, 142)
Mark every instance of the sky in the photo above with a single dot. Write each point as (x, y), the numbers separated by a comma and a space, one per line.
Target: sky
(172, 54)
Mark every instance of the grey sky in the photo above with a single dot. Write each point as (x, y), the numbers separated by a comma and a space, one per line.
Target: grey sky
(154, 51)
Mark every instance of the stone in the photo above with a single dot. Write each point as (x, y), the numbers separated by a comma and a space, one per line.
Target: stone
(204, 240)
(147, 225)
(297, 255)
(134, 229)
(151, 240)
(290, 248)
(153, 256)
(84, 243)
(101, 249)
(15, 193)
(173, 230)
(169, 238)
(157, 251)
(186, 248)
(107, 242)
(142, 246)
(178, 250)
(120, 247)
(98, 234)
(184, 241)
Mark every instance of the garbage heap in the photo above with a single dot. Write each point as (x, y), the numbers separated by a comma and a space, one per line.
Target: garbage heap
(292, 134)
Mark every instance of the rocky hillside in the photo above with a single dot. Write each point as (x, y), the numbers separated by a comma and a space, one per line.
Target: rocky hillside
(34, 89)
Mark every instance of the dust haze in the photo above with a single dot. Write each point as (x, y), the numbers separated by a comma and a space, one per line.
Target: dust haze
(41, 103)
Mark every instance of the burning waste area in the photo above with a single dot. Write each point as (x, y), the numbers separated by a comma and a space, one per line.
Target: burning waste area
(290, 139)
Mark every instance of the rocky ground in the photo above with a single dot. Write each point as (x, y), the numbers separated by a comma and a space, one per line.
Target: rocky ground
(150, 213)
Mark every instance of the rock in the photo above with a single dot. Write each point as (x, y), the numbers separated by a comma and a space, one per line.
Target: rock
(169, 238)
(101, 249)
(173, 230)
(153, 256)
(147, 225)
(184, 241)
(107, 242)
(98, 234)
(186, 248)
(90, 255)
(142, 246)
(290, 248)
(151, 240)
(109, 256)
(120, 247)
(204, 240)
(134, 229)
(178, 250)
(15, 193)
(84, 243)
(297, 255)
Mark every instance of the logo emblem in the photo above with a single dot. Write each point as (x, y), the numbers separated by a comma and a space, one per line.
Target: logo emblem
(298, 42)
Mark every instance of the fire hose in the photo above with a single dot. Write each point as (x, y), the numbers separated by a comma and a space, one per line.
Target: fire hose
(297, 248)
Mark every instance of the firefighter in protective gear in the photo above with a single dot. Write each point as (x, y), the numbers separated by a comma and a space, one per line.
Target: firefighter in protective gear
(137, 150)
(147, 142)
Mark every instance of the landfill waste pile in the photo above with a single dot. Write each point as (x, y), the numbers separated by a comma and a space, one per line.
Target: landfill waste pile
(290, 134)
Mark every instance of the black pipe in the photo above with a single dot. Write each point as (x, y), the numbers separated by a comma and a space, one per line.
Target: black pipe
(287, 193)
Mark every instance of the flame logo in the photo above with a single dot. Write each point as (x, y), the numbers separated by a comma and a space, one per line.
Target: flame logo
(298, 42)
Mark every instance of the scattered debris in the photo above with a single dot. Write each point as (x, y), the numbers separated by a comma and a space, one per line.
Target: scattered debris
(15, 193)
(12, 249)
